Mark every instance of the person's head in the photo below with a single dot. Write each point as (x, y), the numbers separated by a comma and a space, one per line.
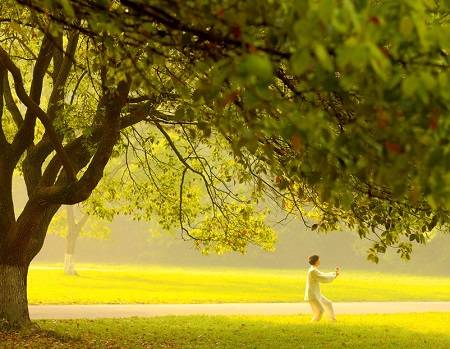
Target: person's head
(314, 260)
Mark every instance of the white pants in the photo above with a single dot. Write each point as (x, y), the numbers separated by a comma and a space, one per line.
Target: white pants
(320, 306)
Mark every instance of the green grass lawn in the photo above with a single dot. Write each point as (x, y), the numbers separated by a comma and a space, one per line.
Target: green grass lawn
(400, 331)
(134, 284)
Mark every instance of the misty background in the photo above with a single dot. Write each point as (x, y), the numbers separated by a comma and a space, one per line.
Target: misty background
(134, 242)
(138, 242)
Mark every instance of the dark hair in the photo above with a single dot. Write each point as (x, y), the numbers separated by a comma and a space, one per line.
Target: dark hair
(313, 259)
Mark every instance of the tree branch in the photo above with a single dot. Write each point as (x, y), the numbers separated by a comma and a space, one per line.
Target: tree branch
(36, 110)
(11, 105)
(3, 83)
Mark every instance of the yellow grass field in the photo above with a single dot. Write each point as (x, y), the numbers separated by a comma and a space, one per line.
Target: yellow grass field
(103, 284)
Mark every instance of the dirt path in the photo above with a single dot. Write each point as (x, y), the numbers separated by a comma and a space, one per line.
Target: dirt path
(152, 310)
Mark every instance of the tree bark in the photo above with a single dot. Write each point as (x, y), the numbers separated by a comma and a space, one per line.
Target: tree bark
(69, 264)
(74, 230)
(18, 247)
(13, 295)
(71, 240)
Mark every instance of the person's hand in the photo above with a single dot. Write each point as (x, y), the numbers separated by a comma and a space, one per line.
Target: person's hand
(337, 271)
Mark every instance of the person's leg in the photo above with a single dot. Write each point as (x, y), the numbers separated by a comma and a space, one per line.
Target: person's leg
(329, 311)
(317, 309)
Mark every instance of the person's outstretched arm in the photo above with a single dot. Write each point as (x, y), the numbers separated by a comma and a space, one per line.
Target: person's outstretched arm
(324, 277)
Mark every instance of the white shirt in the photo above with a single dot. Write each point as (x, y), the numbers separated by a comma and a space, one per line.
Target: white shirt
(313, 280)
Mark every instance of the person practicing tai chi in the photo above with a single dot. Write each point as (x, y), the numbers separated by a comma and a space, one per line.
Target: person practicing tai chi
(318, 302)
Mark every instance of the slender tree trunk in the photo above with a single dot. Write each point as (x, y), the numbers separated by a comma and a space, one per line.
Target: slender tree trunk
(71, 240)
(69, 257)
(69, 264)
(13, 295)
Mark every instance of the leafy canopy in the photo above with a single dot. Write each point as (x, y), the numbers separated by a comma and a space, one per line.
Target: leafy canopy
(339, 107)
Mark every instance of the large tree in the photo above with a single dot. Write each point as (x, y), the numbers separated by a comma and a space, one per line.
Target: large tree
(67, 109)
(338, 108)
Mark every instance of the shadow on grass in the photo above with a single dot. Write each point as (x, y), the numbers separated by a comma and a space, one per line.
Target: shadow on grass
(35, 337)
(396, 331)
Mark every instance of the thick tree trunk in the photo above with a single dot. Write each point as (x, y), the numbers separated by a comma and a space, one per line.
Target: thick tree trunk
(18, 246)
(13, 295)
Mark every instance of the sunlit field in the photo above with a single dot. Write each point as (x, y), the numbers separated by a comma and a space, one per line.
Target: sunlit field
(134, 284)
(429, 331)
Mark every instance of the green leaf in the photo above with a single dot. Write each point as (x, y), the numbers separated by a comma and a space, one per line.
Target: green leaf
(258, 66)
(301, 7)
(179, 114)
(400, 189)
(360, 4)
(252, 145)
(300, 61)
(67, 8)
(323, 56)
(406, 26)
(205, 127)
(410, 85)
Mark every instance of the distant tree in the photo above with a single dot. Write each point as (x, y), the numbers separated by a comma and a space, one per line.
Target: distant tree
(337, 108)
(72, 223)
